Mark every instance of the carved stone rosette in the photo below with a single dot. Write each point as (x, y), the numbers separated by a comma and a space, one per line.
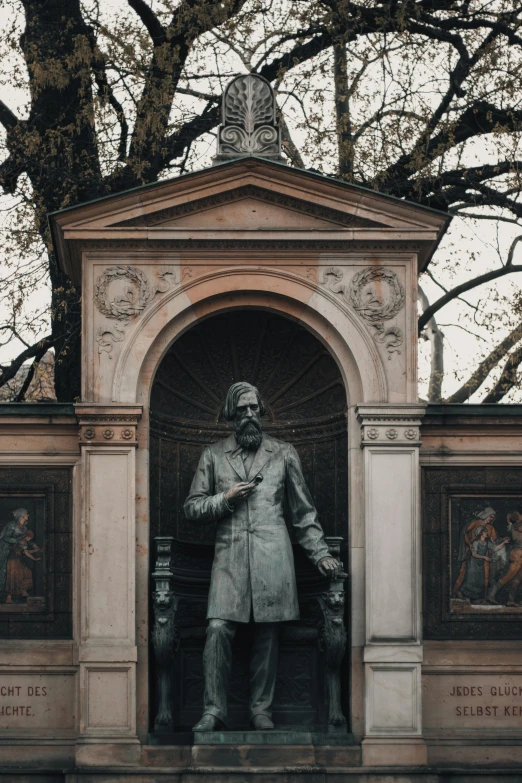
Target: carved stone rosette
(249, 125)
(165, 635)
(389, 425)
(106, 425)
(332, 640)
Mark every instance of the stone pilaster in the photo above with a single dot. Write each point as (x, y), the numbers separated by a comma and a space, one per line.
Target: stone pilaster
(390, 438)
(107, 633)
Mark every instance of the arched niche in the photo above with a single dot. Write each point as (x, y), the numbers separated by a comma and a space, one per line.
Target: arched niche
(321, 311)
(307, 404)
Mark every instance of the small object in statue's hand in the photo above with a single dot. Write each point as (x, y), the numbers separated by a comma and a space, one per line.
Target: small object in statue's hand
(258, 479)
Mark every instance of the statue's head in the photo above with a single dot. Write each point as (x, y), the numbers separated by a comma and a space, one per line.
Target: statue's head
(244, 407)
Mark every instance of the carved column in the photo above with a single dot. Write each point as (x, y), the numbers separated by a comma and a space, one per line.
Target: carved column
(393, 645)
(107, 648)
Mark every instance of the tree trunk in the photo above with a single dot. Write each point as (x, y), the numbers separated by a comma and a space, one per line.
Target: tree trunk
(436, 339)
(342, 112)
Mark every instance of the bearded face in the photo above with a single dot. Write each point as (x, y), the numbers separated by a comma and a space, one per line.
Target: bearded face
(248, 425)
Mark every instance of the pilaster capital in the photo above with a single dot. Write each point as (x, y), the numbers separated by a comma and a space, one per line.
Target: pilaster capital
(390, 424)
(108, 425)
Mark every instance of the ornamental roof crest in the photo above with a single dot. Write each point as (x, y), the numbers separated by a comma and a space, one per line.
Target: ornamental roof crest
(249, 125)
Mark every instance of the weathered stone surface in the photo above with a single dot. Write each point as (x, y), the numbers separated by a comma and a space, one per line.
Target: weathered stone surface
(41, 701)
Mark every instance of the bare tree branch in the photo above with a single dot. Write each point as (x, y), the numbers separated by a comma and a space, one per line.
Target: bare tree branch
(475, 282)
(508, 379)
(480, 118)
(8, 371)
(288, 144)
(28, 378)
(7, 117)
(107, 93)
(476, 380)
(153, 25)
(436, 339)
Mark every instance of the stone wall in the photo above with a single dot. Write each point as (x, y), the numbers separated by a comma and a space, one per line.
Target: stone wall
(470, 691)
(472, 673)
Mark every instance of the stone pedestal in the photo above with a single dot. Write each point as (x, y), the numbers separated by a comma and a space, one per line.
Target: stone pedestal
(107, 643)
(393, 649)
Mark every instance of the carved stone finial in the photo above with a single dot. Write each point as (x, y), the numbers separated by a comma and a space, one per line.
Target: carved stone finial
(249, 125)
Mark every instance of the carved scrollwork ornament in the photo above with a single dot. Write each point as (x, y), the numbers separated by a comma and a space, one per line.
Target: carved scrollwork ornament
(410, 433)
(127, 433)
(249, 124)
(108, 433)
(372, 433)
(391, 433)
(89, 433)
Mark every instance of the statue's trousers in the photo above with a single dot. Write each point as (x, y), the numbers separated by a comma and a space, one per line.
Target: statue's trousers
(263, 667)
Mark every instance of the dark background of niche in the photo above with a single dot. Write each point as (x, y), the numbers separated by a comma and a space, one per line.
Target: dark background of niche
(449, 499)
(46, 493)
(302, 386)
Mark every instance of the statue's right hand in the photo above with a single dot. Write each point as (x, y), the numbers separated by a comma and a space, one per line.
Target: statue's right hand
(240, 491)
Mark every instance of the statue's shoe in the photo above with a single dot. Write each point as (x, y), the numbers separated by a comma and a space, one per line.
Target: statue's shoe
(262, 723)
(209, 723)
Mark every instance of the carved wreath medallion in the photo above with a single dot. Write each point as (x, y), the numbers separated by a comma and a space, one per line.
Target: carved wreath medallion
(377, 295)
(122, 292)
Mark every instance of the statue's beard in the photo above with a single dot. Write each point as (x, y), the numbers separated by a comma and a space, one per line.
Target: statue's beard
(249, 434)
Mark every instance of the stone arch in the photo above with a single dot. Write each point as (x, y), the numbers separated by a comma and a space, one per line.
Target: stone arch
(317, 309)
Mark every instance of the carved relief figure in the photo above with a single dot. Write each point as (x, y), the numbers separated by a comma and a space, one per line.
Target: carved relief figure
(16, 579)
(241, 484)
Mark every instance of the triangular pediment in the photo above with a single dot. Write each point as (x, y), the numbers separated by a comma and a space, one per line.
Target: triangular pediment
(245, 200)
(249, 207)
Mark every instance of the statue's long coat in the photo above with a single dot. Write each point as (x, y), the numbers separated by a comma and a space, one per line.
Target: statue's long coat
(253, 561)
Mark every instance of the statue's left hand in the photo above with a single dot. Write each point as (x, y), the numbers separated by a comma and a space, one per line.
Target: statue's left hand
(329, 567)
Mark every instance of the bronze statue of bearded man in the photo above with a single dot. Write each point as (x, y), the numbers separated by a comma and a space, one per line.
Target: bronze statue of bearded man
(241, 484)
